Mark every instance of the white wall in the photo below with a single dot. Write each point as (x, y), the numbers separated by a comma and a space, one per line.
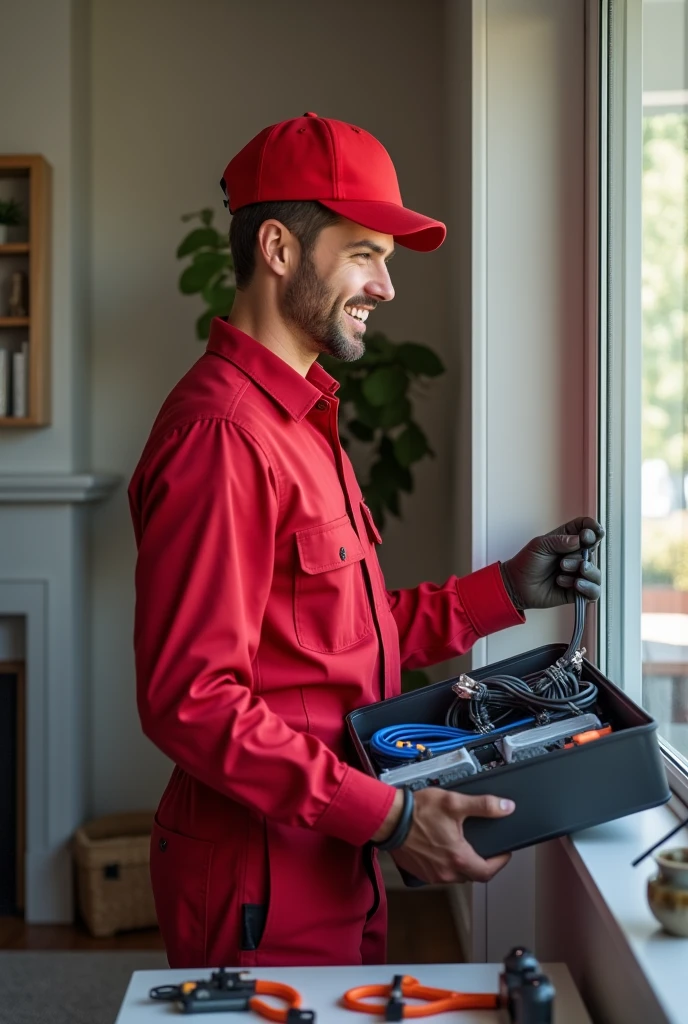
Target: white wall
(43, 80)
(527, 340)
(177, 89)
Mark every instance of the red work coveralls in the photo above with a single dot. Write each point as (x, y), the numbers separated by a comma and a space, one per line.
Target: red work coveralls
(261, 620)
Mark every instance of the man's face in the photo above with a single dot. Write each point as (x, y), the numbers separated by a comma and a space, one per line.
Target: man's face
(338, 285)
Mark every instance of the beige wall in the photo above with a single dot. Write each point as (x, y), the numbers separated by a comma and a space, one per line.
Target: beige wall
(178, 88)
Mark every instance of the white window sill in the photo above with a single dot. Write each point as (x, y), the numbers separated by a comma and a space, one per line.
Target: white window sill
(602, 857)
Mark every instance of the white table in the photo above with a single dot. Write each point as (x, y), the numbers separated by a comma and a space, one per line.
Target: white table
(322, 987)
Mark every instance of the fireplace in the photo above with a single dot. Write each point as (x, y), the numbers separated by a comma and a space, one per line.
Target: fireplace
(12, 786)
(45, 623)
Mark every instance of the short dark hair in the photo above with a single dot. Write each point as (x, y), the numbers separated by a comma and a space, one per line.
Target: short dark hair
(305, 219)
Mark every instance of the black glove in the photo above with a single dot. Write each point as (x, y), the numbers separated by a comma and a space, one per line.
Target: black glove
(548, 571)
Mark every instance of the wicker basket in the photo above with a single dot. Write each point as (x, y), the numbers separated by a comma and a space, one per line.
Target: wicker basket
(113, 873)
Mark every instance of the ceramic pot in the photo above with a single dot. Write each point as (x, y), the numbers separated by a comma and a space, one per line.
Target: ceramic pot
(667, 892)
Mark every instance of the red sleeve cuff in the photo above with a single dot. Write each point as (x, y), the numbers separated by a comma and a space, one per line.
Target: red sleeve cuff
(486, 601)
(361, 805)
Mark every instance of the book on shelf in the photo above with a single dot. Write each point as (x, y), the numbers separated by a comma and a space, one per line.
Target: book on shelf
(20, 379)
(4, 382)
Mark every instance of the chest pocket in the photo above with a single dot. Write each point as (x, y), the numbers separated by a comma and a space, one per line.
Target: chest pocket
(331, 608)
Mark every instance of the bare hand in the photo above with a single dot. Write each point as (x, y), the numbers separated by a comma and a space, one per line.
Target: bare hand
(436, 850)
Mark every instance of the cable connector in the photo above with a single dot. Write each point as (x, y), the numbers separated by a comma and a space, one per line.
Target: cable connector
(466, 687)
(577, 659)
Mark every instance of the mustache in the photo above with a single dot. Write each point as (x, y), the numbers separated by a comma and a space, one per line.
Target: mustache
(362, 300)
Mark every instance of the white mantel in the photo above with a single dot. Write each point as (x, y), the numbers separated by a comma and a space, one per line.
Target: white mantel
(44, 579)
(51, 488)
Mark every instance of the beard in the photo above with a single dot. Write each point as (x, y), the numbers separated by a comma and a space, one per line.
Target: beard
(308, 304)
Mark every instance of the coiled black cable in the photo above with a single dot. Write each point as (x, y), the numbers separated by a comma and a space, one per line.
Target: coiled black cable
(483, 704)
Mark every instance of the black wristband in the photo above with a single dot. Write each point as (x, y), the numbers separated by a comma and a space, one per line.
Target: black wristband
(400, 833)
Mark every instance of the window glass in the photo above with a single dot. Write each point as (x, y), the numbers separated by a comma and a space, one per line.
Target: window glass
(664, 476)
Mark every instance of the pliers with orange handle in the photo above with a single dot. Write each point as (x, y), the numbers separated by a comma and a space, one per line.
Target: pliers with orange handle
(526, 995)
(235, 990)
(437, 1000)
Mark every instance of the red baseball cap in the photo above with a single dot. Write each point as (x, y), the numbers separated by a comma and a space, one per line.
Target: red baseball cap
(339, 165)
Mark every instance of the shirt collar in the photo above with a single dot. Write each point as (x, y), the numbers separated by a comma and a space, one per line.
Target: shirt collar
(296, 394)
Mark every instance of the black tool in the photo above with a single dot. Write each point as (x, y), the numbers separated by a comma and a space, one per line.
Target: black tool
(533, 1001)
(663, 840)
(526, 995)
(234, 990)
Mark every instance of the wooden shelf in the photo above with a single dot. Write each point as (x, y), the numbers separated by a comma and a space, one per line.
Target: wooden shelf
(29, 177)
(19, 421)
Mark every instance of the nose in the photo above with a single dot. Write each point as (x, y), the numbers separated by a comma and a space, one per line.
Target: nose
(380, 287)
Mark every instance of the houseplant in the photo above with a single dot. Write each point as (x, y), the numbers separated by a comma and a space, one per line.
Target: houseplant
(11, 214)
(376, 392)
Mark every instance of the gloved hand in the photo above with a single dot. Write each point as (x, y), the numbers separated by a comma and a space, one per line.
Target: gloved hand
(548, 571)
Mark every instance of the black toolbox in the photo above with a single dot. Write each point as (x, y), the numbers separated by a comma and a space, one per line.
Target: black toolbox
(555, 793)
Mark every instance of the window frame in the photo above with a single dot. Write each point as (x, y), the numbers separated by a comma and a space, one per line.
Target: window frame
(619, 425)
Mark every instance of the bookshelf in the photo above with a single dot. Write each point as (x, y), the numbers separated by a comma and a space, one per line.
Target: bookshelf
(28, 179)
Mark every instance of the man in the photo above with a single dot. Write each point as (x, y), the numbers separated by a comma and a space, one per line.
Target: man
(262, 617)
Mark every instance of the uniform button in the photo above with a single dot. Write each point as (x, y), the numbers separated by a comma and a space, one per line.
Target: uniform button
(163, 844)
(309, 113)
(322, 405)
(342, 554)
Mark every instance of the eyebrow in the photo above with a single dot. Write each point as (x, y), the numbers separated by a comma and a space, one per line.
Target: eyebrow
(366, 243)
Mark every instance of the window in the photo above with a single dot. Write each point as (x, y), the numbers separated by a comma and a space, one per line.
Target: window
(643, 420)
(664, 352)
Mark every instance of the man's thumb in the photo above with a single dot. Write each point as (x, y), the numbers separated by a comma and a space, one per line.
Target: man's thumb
(489, 807)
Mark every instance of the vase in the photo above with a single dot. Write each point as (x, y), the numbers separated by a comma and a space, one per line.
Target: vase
(667, 892)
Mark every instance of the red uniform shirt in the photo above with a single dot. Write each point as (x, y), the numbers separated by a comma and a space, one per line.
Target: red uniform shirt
(255, 631)
(262, 616)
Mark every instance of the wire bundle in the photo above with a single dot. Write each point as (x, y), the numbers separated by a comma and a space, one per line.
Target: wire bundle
(395, 744)
(545, 694)
(481, 706)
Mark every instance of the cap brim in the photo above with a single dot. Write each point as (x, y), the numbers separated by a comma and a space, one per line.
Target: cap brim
(410, 229)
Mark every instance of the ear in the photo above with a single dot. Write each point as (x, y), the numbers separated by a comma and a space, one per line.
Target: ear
(277, 247)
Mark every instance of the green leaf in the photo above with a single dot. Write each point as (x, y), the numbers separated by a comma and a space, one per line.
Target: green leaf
(413, 679)
(378, 343)
(382, 474)
(349, 390)
(219, 295)
(201, 271)
(395, 413)
(360, 430)
(199, 238)
(365, 412)
(420, 359)
(393, 504)
(371, 357)
(388, 384)
(203, 325)
(401, 475)
(207, 215)
(411, 445)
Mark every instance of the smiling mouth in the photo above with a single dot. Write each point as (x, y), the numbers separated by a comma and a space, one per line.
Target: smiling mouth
(358, 315)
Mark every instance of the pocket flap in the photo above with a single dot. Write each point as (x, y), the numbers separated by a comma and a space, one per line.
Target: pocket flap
(370, 523)
(330, 546)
